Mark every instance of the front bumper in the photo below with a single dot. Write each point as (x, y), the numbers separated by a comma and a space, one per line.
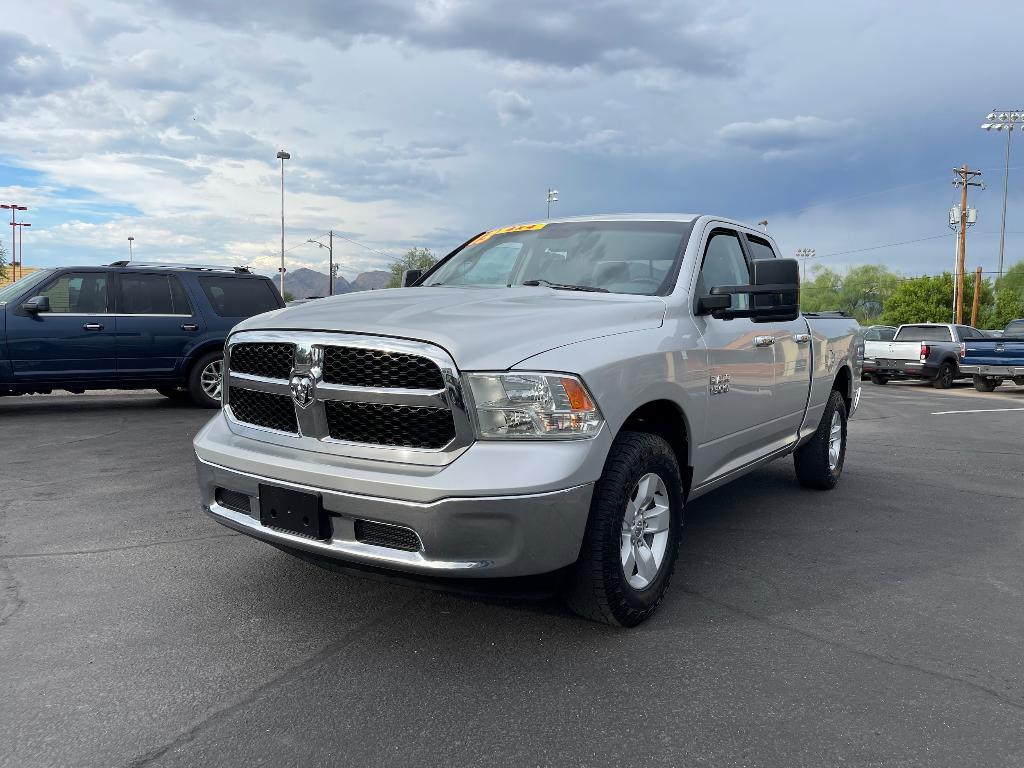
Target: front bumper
(470, 526)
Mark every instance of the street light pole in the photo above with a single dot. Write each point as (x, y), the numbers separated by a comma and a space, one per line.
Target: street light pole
(552, 198)
(804, 254)
(330, 259)
(282, 156)
(21, 248)
(14, 254)
(130, 241)
(1004, 120)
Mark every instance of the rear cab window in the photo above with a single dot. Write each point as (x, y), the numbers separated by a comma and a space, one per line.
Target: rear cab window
(924, 333)
(240, 296)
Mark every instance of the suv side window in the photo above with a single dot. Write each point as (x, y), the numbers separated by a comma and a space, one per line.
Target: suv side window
(724, 264)
(78, 293)
(760, 249)
(152, 295)
(240, 296)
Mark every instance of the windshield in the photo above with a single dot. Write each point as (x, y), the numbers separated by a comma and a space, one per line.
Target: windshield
(615, 256)
(9, 292)
(924, 333)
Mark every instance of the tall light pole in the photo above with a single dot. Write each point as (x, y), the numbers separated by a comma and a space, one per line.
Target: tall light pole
(130, 241)
(804, 254)
(1004, 120)
(552, 198)
(14, 210)
(282, 156)
(21, 250)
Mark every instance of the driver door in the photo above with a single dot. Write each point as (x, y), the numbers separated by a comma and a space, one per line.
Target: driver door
(741, 365)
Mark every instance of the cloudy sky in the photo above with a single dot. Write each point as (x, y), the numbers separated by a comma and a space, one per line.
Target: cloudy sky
(421, 122)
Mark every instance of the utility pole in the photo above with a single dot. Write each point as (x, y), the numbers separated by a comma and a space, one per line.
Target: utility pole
(282, 156)
(552, 198)
(965, 178)
(977, 297)
(330, 263)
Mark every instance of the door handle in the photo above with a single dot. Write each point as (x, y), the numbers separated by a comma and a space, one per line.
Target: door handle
(764, 341)
(802, 338)
(92, 327)
(190, 327)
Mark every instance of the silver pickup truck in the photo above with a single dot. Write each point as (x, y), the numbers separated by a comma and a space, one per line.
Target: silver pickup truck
(545, 400)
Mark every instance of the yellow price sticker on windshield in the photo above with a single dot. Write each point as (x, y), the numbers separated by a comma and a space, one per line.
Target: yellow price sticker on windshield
(507, 230)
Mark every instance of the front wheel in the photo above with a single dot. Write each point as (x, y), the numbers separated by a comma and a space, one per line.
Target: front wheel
(629, 548)
(819, 462)
(985, 383)
(204, 380)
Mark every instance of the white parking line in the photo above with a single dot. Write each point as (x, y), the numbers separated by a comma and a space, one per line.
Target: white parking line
(977, 410)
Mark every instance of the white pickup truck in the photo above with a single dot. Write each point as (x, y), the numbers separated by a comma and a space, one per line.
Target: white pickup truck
(546, 399)
(929, 351)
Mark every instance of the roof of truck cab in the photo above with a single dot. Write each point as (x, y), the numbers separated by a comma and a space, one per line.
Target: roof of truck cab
(682, 218)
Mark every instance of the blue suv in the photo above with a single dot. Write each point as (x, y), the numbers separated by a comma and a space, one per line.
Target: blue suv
(126, 326)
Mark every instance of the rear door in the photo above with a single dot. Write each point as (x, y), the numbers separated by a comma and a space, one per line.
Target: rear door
(740, 363)
(72, 342)
(156, 325)
(792, 359)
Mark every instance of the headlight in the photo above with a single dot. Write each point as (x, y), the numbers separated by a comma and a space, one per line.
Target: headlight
(532, 405)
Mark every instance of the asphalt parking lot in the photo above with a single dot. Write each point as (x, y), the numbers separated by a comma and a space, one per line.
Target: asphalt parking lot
(880, 624)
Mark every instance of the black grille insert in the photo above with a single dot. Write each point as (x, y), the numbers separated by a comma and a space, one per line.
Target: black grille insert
(390, 536)
(233, 500)
(357, 367)
(272, 360)
(263, 409)
(403, 426)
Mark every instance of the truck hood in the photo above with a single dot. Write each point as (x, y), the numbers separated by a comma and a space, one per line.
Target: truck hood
(481, 328)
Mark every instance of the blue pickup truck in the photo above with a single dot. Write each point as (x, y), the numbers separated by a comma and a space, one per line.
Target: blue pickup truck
(125, 326)
(991, 361)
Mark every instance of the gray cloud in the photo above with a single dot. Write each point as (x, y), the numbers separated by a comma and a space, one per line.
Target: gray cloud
(610, 36)
(29, 69)
(777, 137)
(512, 106)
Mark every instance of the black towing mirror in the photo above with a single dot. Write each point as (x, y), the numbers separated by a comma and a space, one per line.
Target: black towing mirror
(774, 294)
(410, 276)
(37, 304)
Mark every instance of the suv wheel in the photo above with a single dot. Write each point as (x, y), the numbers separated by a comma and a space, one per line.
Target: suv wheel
(944, 378)
(986, 383)
(630, 546)
(819, 462)
(205, 380)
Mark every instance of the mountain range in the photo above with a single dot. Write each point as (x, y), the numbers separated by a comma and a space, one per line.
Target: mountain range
(304, 283)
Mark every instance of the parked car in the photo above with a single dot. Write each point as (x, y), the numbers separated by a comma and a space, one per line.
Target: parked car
(126, 326)
(545, 399)
(991, 361)
(873, 336)
(929, 351)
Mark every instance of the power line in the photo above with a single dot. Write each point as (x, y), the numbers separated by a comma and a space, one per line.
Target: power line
(886, 245)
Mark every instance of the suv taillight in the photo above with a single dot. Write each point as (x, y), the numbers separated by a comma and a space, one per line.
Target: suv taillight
(925, 350)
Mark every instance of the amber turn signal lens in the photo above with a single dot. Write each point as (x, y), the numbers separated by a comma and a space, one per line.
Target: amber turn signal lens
(578, 398)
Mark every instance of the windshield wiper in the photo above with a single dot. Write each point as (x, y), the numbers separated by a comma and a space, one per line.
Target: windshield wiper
(565, 286)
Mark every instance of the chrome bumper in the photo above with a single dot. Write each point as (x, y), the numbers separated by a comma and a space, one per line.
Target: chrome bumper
(469, 537)
(1006, 371)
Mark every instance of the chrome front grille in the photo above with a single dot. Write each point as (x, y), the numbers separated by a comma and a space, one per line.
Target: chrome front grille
(360, 396)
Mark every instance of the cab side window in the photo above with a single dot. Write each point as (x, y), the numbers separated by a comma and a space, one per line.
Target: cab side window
(78, 293)
(724, 264)
(760, 249)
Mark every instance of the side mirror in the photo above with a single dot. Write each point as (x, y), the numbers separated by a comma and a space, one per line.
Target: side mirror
(37, 304)
(774, 294)
(410, 276)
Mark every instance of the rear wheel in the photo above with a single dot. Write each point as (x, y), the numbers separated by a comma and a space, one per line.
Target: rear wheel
(629, 548)
(944, 378)
(986, 383)
(819, 462)
(1019, 381)
(876, 379)
(204, 380)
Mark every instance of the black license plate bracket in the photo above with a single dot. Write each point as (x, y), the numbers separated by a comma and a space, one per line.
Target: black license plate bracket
(293, 511)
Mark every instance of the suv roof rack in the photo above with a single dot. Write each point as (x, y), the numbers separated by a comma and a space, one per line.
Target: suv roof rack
(198, 267)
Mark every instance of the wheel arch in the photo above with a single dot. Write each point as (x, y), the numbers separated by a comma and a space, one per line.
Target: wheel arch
(213, 345)
(667, 420)
(843, 384)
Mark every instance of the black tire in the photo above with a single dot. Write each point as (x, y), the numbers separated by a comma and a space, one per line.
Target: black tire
(173, 393)
(1019, 381)
(195, 381)
(596, 586)
(985, 384)
(813, 465)
(876, 379)
(944, 378)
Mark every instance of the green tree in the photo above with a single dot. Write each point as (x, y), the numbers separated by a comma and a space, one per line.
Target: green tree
(1012, 280)
(288, 296)
(414, 258)
(862, 292)
(822, 292)
(3, 262)
(929, 299)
